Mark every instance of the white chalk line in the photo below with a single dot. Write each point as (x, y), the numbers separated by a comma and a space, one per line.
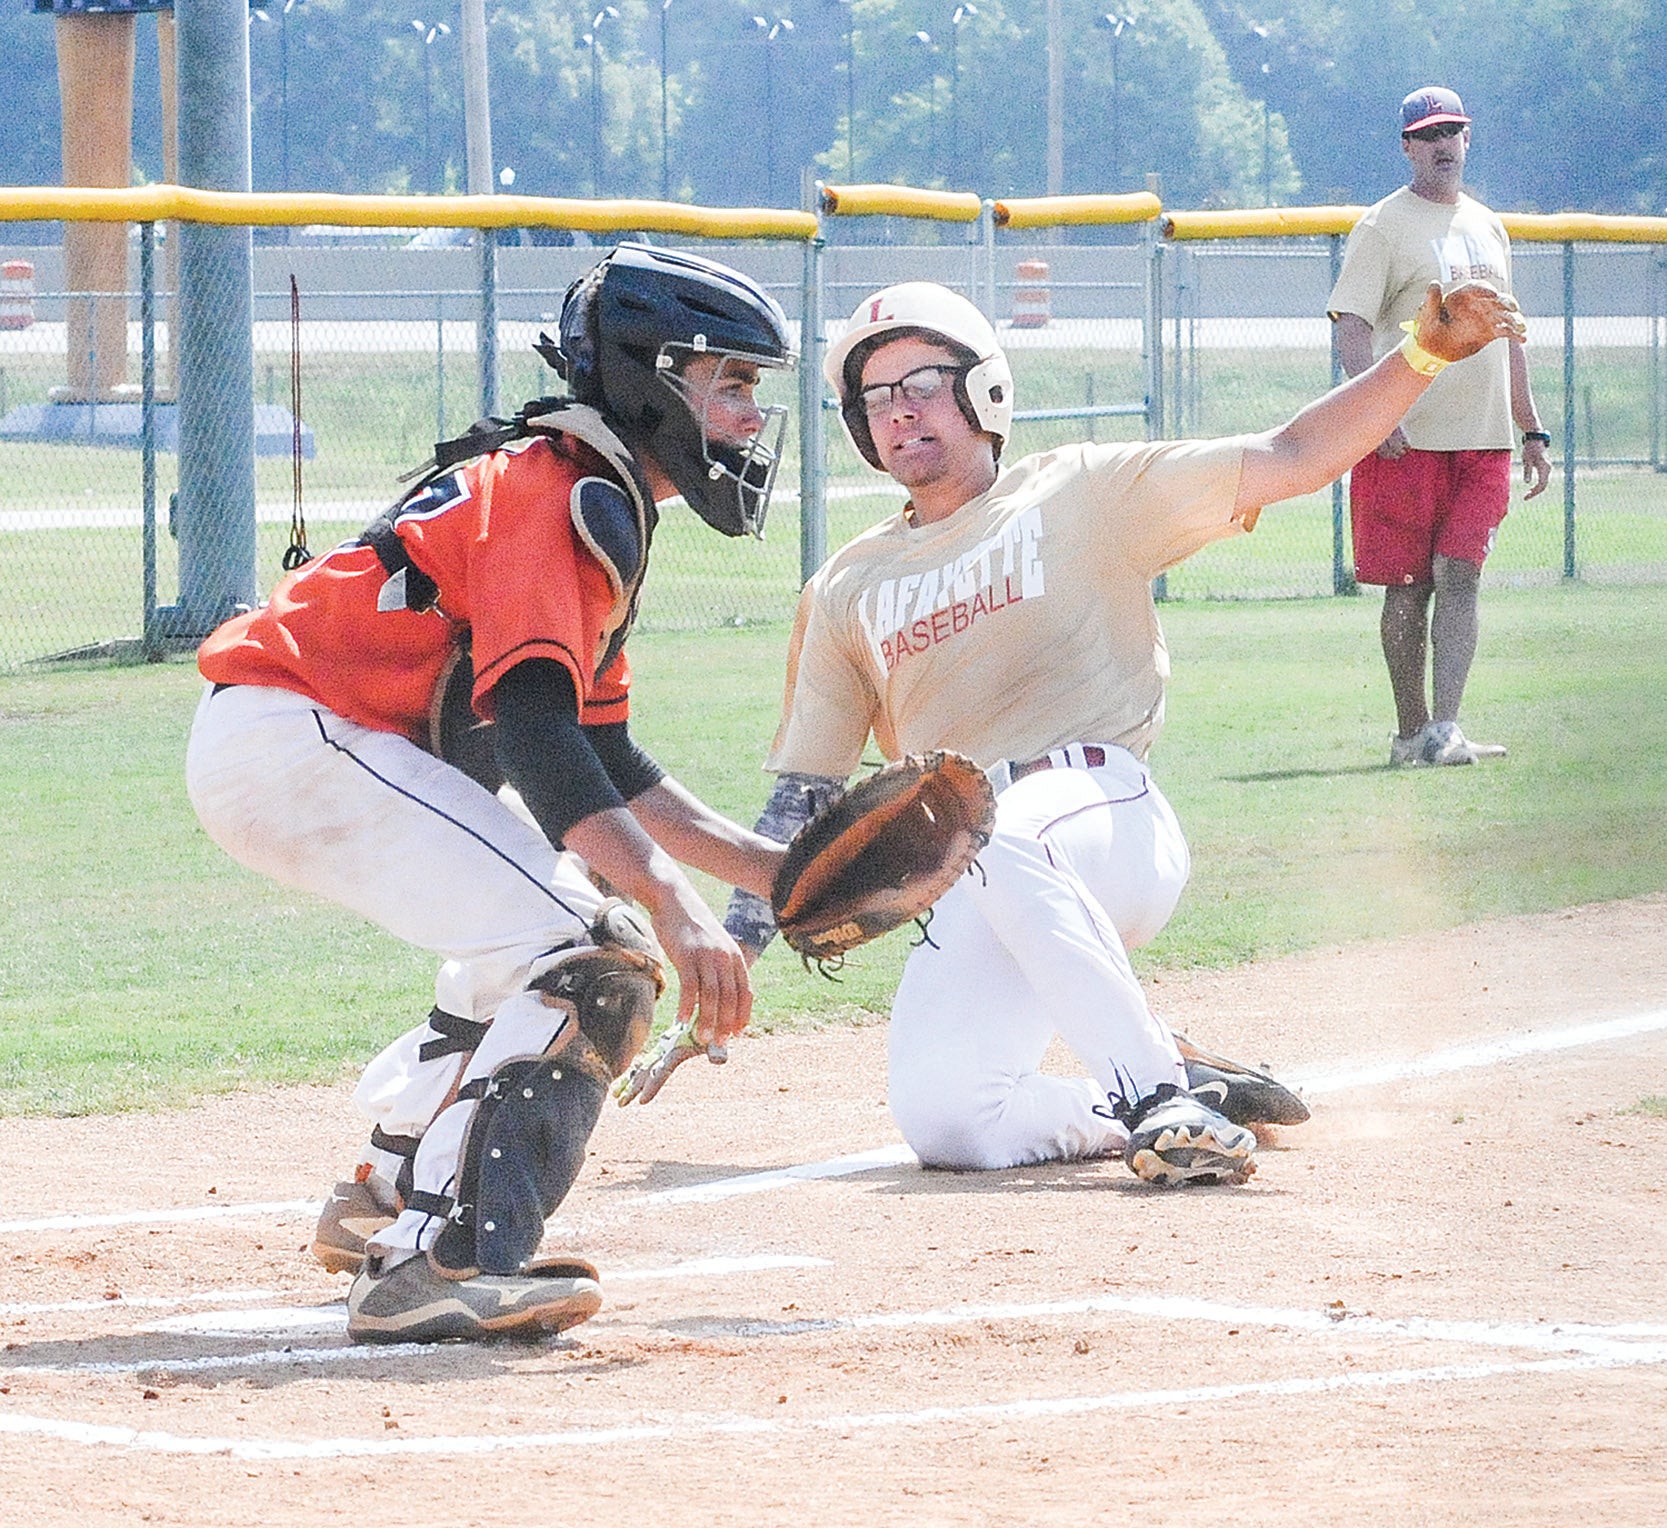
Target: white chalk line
(331, 1320)
(1479, 1053)
(1551, 1337)
(783, 1177)
(684, 1429)
(118, 1301)
(281, 1208)
(1469, 1056)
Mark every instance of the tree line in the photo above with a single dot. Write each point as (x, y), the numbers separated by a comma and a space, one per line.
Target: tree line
(725, 103)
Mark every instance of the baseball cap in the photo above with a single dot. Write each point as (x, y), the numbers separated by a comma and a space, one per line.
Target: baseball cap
(1429, 105)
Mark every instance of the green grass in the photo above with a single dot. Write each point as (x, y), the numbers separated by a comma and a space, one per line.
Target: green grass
(142, 967)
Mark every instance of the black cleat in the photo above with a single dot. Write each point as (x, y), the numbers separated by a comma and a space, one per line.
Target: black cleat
(1176, 1139)
(1245, 1096)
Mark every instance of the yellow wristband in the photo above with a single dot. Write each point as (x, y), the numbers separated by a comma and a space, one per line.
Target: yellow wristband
(1416, 356)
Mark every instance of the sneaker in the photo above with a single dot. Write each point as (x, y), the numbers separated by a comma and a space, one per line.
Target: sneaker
(1243, 1095)
(354, 1212)
(1176, 1139)
(410, 1302)
(1440, 743)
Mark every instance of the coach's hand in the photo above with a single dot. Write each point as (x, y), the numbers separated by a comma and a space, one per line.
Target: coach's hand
(1536, 467)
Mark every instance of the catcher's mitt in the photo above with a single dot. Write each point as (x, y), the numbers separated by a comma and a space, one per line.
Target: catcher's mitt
(1453, 325)
(882, 854)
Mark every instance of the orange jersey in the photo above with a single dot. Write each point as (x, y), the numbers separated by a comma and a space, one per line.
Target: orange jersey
(498, 538)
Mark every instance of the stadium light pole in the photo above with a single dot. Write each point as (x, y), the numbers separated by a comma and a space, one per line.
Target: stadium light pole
(1055, 153)
(1265, 33)
(282, 24)
(768, 31)
(665, 111)
(963, 14)
(1116, 25)
(428, 34)
(850, 9)
(923, 41)
(591, 40)
(1267, 141)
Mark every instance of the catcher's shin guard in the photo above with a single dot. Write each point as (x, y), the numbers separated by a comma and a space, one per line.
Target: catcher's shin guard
(528, 1104)
(523, 1151)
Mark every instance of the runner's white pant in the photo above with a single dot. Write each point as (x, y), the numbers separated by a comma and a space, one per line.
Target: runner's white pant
(372, 822)
(1084, 865)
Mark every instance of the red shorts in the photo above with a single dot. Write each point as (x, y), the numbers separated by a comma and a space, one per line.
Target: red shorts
(1424, 503)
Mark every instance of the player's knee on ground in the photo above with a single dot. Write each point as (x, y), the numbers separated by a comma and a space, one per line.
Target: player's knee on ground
(949, 1129)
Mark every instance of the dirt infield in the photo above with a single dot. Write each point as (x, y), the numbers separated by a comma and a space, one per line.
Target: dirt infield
(1440, 1301)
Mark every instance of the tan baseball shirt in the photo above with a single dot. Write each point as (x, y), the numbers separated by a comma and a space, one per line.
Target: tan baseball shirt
(1396, 250)
(1021, 623)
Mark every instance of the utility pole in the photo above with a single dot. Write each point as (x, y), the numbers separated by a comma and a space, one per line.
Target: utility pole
(477, 107)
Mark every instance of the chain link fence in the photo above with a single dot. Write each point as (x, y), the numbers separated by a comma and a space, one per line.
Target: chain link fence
(370, 345)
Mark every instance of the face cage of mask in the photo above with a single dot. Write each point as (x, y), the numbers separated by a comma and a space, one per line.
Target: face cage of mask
(749, 466)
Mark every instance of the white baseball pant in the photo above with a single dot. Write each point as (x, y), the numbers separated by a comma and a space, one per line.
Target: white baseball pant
(368, 820)
(1084, 865)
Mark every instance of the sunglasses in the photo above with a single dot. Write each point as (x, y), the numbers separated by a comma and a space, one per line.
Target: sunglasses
(921, 384)
(1437, 133)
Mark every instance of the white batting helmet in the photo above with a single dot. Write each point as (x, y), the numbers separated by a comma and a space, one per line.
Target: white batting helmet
(985, 391)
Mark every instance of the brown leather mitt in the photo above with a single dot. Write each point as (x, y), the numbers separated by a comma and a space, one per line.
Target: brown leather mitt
(1458, 323)
(880, 855)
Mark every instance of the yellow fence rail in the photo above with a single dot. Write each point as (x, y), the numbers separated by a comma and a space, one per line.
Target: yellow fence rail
(1530, 227)
(184, 204)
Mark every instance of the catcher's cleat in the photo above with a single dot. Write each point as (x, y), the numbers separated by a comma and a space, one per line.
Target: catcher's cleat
(1176, 1139)
(1244, 1095)
(354, 1212)
(411, 1302)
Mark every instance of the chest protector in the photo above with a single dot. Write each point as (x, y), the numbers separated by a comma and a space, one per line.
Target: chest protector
(614, 517)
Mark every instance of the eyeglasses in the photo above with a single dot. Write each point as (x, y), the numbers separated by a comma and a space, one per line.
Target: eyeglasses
(1434, 134)
(922, 383)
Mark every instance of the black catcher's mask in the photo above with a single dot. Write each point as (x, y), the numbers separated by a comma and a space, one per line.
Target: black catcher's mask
(630, 326)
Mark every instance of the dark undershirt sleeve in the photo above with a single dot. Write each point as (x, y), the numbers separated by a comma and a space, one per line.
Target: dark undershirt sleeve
(544, 752)
(630, 767)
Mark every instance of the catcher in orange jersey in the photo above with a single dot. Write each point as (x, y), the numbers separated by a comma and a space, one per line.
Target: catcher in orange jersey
(501, 590)
(1006, 613)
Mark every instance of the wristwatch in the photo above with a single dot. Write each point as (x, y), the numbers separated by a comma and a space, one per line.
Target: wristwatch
(1539, 435)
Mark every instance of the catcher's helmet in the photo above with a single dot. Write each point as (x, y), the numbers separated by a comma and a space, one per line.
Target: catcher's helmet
(630, 325)
(984, 390)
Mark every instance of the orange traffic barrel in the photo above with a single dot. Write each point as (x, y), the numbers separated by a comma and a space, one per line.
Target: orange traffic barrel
(1031, 302)
(17, 294)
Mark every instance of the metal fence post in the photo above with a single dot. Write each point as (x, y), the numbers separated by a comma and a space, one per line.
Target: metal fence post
(1342, 581)
(1178, 380)
(216, 411)
(150, 644)
(486, 331)
(813, 478)
(1152, 344)
(1568, 409)
(1658, 373)
(1152, 333)
(986, 295)
(439, 366)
